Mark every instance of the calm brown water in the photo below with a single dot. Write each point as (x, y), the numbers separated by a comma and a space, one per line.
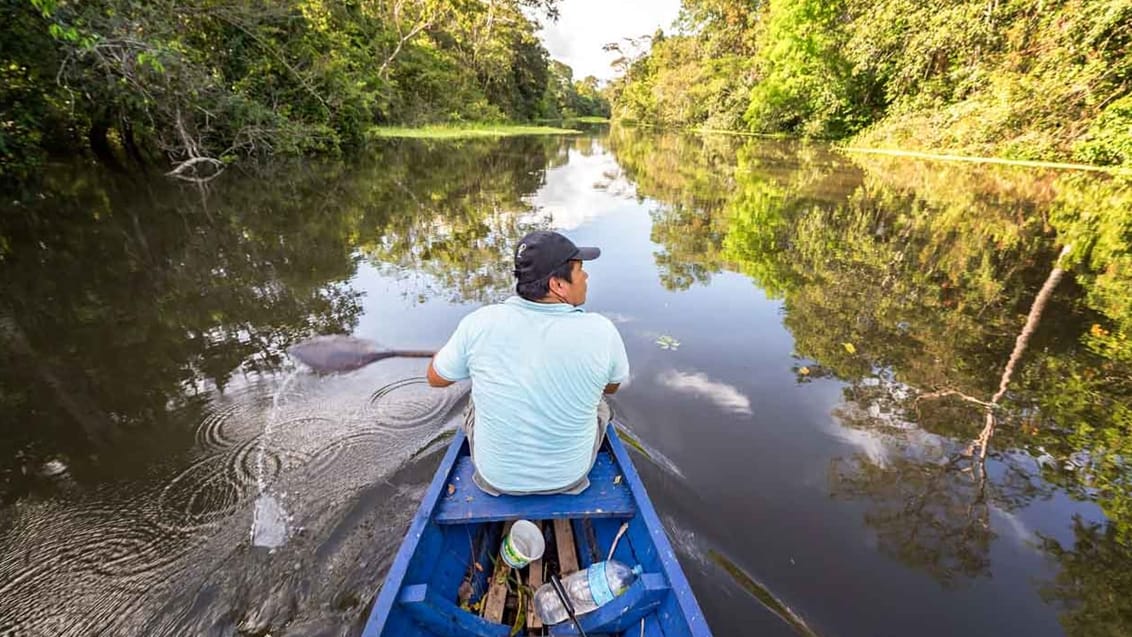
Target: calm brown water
(801, 326)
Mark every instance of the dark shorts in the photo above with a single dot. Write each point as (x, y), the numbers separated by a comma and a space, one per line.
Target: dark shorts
(603, 416)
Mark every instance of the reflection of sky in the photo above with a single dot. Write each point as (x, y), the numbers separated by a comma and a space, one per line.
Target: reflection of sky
(698, 384)
(896, 437)
(570, 197)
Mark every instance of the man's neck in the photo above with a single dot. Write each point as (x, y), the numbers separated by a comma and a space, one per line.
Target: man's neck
(550, 299)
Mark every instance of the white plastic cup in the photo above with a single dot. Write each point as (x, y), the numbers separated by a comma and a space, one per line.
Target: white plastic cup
(523, 545)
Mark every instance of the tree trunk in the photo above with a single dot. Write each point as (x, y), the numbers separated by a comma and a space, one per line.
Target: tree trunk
(131, 145)
(100, 145)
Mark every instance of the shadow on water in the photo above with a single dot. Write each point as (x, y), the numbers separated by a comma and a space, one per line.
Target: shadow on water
(439, 442)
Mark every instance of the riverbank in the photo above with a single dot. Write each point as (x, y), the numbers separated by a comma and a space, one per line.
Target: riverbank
(855, 145)
(457, 131)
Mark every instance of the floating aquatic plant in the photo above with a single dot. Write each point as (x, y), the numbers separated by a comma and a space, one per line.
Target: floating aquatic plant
(667, 342)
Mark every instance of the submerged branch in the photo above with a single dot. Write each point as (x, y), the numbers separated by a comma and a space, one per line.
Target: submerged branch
(181, 170)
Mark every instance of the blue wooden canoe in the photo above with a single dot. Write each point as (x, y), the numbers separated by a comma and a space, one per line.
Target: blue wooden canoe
(453, 542)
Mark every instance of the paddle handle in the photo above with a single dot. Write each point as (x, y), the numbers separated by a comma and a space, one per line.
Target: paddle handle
(409, 353)
(556, 584)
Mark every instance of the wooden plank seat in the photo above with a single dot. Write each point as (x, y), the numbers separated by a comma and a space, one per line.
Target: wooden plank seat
(607, 496)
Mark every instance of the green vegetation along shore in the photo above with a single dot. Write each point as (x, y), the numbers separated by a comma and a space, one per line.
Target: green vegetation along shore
(1014, 79)
(190, 84)
(194, 83)
(457, 131)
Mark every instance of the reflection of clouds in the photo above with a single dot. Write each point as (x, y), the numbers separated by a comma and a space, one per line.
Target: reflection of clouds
(873, 446)
(1015, 524)
(618, 318)
(880, 447)
(698, 384)
(886, 434)
(580, 190)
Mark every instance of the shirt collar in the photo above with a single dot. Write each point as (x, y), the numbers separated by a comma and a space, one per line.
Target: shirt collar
(545, 308)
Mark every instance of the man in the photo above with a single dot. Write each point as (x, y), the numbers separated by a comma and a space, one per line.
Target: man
(539, 366)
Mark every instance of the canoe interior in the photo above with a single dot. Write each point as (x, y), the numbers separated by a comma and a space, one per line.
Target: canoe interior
(440, 580)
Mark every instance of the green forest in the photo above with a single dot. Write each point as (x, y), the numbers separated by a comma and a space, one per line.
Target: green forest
(1017, 79)
(214, 80)
(201, 82)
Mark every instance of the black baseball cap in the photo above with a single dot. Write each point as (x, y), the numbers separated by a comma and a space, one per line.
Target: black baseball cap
(542, 251)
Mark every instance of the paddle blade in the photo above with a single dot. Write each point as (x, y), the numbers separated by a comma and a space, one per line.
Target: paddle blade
(337, 353)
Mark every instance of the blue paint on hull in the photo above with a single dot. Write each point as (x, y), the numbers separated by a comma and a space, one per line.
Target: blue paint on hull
(420, 591)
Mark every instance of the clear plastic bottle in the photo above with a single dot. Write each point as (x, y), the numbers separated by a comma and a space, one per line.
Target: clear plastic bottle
(587, 590)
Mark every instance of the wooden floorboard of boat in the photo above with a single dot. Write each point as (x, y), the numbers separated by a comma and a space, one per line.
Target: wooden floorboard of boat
(534, 581)
(567, 554)
(497, 591)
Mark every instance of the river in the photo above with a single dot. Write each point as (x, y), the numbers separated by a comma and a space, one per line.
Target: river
(812, 335)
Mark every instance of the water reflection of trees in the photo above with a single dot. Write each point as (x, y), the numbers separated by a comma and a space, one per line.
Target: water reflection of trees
(910, 282)
(691, 180)
(122, 300)
(125, 301)
(930, 500)
(1093, 580)
(456, 212)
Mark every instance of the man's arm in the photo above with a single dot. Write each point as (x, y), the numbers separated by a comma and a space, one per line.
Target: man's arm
(436, 380)
(619, 361)
(452, 358)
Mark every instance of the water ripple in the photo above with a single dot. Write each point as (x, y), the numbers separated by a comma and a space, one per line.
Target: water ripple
(216, 486)
(213, 434)
(100, 561)
(410, 403)
(102, 553)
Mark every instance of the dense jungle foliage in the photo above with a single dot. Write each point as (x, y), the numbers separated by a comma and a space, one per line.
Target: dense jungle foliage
(1028, 80)
(180, 79)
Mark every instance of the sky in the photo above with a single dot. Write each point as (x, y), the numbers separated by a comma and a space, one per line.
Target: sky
(585, 25)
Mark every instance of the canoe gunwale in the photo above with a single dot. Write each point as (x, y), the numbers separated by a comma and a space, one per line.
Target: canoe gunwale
(387, 597)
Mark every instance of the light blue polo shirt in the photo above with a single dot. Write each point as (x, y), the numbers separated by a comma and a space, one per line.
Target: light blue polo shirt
(538, 371)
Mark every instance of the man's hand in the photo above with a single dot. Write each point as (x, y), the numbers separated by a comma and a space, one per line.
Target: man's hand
(611, 388)
(436, 380)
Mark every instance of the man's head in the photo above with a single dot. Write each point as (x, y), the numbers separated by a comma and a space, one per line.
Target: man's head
(548, 267)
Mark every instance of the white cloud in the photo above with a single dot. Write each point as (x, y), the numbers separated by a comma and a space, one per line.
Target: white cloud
(585, 25)
(698, 384)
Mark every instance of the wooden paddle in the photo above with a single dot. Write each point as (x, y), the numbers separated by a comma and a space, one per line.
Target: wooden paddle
(339, 353)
